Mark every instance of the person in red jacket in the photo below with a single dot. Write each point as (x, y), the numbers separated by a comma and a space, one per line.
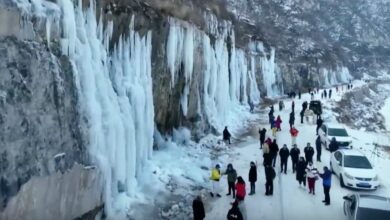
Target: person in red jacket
(240, 189)
(278, 123)
(294, 134)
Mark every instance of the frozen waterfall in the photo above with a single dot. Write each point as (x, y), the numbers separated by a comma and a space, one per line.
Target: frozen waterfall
(115, 92)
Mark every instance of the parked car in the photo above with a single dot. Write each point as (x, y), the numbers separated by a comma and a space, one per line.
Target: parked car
(353, 169)
(337, 131)
(316, 107)
(366, 207)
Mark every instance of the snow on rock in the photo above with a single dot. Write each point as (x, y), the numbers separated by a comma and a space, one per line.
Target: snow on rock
(385, 111)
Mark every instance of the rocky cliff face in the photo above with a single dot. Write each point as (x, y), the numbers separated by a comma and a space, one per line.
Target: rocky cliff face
(70, 97)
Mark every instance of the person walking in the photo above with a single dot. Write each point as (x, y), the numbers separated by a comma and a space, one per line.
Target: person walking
(267, 159)
(274, 149)
(330, 93)
(273, 126)
(319, 124)
(281, 105)
(252, 177)
(215, 177)
(291, 119)
(326, 183)
(294, 134)
(294, 153)
(269, 177)
(198, 209)
(234, 213)
(262, 133)
(240, 189)
(284, 153)
(301, 171)
(226, 135)
(299, 94)
(272, 121)
(312, 175)
(318, 148)
(293, 105)
(231, 178)
(309, 152)
(302, 114)
(325, 94)
(304, 105)
(334, 145)
(278, 123)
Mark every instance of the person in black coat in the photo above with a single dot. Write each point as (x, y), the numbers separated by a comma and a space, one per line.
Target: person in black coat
(284, 153)
(294, 153)
(299, 94)
(269, 177)
(234, 213)
(198, 209)
(330, 93)
(325, 93)
(262, 133)
(334, 145)
(301, 171)
(319, 124)
(253, 177)
(309, 152)
(318, 148)
(291, 119)
(304, 106)
(226, 135)
(302, 113)
(274, 149)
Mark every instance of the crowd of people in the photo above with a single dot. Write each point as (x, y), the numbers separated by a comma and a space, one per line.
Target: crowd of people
(306, 173)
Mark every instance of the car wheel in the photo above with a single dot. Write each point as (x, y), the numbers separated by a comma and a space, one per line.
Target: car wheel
(341, 181)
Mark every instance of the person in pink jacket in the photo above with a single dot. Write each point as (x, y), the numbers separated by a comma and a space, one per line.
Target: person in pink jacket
(278, 123)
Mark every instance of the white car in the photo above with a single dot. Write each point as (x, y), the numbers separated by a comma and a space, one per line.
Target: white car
(329, 131)
(354, 169)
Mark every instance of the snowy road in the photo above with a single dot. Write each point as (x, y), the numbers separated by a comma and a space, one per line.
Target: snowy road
(289, 200)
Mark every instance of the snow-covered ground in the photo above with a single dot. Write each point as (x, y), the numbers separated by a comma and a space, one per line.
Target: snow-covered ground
(289, 200)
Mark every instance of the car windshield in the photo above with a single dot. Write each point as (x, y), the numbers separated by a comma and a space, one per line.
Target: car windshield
(338, 132)
(357, 162)
(368, 214)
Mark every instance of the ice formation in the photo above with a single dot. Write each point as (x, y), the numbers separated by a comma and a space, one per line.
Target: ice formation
(115, 92)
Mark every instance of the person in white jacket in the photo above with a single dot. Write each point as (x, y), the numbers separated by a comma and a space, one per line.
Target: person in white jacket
(312, 176)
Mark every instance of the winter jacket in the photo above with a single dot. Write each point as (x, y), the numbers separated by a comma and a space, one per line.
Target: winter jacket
(274, 149)
(270, 173)
(309, 152)
(266, 148)
(226, 134)
(318, 143)
(294, 152)
(311, 171)
(215, 174)
(304, 105)
(198, 208)
(262, 135)
(231, 175)
(278, 122)
(284, 153)
(271, 119)
(240, 190)
(292, 118)
(302, 113)
(294, 132)
(234, 214)
(319, 122)
(333, 146)
(253, 174)
(301, 167)
(326, 178)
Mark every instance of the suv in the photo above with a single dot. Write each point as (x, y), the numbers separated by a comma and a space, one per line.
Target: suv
(316, 107)
(366, 207)
(354, 170)
(337, 131)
